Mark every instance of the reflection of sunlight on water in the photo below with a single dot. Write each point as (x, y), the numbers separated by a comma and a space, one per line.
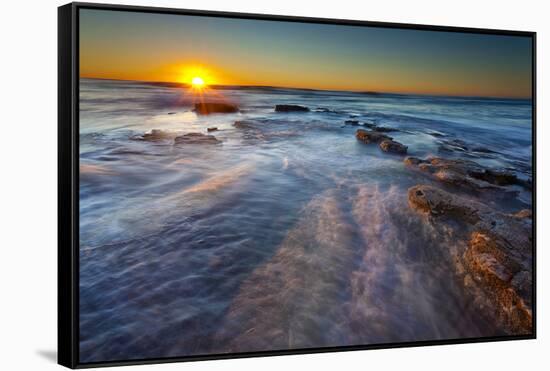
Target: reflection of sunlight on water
(175, 119)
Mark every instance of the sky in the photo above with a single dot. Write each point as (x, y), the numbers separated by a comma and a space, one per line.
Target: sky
(175, 48)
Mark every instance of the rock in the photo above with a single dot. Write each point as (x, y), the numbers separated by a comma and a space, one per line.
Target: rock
(452, 145)
(290, 108)
(497, 177)
(326, 110)
(388, 145)
(383, 129)
(465, 174)
(483, 150)
(456, 143)
(369, 125)
(352, 122)
(524, 214)
(243, 124)
(208, 108)
(496, 260)
(196, 138)
(370, 136)
(155, 135)
(171, 113)
(211, 129)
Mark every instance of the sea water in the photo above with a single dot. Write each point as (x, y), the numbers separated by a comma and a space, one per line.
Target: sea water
(289, 234)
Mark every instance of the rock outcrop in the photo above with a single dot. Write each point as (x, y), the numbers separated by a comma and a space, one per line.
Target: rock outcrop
(386, 143)
(466, 174)
(209, 108)
(368, 137)
(392, 146)
(496, 261)
(290, 108)
(196, 138)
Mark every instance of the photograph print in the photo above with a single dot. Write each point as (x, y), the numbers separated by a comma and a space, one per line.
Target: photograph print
(271, 185)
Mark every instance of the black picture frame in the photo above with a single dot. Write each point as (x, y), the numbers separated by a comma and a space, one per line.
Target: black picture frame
(68, 181)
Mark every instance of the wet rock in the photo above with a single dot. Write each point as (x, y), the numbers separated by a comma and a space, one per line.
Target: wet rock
(524, 214)
(498, 177)
(464, 174)
(383, 129)
(243, 124)
(392, 146)
(369, 125)
(496, 260)
(155, 135)
(452, 145)
(196, 138)
(290, 108)
(212, 129)
(483, 150)
(209, 108)
(456, 143)
(326, 110)
(386, 143)
(352, 122)
(371, 136)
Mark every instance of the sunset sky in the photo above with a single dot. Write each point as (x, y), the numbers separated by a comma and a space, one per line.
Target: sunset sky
(176, 48)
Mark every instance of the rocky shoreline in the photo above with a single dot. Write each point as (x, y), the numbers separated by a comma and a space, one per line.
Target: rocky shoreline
(494, 258)
(492, 252)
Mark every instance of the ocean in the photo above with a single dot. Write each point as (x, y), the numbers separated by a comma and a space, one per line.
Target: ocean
(287, 234)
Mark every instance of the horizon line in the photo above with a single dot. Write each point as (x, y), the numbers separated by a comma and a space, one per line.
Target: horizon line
(365, 92)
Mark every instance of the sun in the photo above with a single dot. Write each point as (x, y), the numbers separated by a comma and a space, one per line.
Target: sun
(197, 82)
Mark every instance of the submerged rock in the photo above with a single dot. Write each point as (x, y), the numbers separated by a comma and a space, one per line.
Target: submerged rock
(454, 145)
(498, 177)
(370, 125)
(392, 146)
(155, 135)
(466, 149)
(352, 122)
(496, 261)
(243, 124)
(326, 110)
(290, 108)
(196, 138)
(208, 108)
(294, 288)
(383, 129)
(465, 174)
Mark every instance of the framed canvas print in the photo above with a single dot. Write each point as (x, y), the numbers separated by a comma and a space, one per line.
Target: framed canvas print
(235, 185)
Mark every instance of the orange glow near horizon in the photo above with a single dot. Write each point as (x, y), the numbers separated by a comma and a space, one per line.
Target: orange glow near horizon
(197, 76)
(227, 51)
